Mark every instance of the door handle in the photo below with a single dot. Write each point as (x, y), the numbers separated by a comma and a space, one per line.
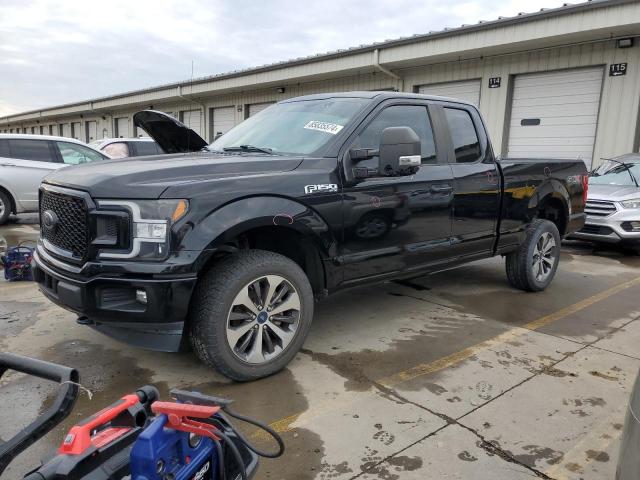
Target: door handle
(7, 165)
(440, 188)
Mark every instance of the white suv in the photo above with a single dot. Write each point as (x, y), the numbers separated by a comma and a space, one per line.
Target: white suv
(26, 159)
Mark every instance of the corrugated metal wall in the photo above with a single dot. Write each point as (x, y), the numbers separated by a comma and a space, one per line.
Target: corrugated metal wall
(617, 121)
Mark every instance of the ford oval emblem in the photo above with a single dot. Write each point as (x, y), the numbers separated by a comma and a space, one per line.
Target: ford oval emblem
(50, 221)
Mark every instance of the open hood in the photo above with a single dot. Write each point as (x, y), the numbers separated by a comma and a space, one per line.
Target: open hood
(172, 136)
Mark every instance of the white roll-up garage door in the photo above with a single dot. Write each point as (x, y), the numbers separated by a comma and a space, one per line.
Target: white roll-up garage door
(193, 120)
(258, 107)
(65, 130)
(223, 120)
(122, 127)
(91, 131)
(555, 114)
(468, 90)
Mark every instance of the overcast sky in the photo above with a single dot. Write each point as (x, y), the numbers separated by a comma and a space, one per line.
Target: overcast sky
(59, 51)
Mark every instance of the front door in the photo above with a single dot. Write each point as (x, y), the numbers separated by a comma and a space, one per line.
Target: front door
(394, 224)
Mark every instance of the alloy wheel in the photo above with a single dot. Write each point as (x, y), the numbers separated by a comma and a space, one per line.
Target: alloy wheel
(263, 319)
(544, 256)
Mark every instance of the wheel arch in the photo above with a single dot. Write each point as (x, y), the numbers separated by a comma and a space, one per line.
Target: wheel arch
(551, 201)
(271, 223)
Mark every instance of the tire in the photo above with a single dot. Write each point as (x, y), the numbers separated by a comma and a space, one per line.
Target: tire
(532, 267)
(5, 208)
(221, 329)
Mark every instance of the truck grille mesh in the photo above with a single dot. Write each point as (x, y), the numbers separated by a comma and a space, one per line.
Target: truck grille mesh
(71, 233)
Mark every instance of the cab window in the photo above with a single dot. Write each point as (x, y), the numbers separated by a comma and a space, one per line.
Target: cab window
(146, 148)
(73, 154)
(413, 116)
(463, 135)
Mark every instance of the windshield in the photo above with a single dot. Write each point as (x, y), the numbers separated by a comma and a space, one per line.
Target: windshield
(616, 173)
(292, 128)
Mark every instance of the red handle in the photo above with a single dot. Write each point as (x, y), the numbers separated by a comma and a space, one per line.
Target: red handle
(79, 437)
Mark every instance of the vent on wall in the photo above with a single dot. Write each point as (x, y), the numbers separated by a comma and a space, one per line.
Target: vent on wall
(529, 122)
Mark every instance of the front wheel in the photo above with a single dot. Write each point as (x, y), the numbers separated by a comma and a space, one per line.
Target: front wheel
(5, 208)
(533, 266)
(251, 314)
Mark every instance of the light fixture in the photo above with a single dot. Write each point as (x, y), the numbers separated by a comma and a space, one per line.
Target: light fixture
(625, 42)
(281, 89)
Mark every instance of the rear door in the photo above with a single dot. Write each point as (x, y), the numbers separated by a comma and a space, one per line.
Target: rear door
(28, 163)
(476, 202)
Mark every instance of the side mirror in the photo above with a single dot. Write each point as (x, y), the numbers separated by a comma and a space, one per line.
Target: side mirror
(400, 152)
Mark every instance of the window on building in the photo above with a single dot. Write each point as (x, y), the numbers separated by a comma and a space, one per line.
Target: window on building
(463, 134)
(413, 116)
(36, 150)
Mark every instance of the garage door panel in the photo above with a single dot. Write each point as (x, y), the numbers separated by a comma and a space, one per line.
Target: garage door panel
(544, 110)
(558, 101)
(224, 119)
(554, 131)
(563, 90)
(556, 78)
(255, 108)
(560, 120)
(468, 91)
(566, 104)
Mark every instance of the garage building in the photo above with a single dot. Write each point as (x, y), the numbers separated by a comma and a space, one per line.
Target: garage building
(558, 82)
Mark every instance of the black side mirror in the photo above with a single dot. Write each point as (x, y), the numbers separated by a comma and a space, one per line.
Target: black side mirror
(400, 152)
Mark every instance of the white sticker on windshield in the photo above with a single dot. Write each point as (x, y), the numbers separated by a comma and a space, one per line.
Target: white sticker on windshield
(331, 128)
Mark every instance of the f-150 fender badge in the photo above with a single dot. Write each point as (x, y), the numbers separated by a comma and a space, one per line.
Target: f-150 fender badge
(321, 188)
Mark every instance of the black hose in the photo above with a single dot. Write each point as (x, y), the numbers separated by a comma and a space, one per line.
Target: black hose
(236, 453)
(221, 473)
(261, 426)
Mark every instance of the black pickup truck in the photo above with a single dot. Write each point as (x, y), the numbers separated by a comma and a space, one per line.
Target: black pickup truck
(225, 247)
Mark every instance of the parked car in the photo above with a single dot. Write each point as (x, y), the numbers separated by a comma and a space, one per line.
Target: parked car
(613, 203)
(227, 247)
(26, 159)
(127, 147)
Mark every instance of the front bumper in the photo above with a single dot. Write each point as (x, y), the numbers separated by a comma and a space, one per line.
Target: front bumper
(610, 229)
(108, 303)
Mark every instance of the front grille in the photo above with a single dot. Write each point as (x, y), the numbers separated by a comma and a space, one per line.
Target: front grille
(71, 232)
(596, 230)
(599, 208)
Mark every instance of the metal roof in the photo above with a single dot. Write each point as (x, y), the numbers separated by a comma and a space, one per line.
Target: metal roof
(521, 17)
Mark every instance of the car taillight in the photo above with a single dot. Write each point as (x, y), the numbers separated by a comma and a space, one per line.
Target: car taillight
(585, 188)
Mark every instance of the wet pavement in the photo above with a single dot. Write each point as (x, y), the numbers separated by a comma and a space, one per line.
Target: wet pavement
(454, 375)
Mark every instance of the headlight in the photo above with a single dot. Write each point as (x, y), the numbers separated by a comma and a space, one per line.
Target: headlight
(151, 222)
(633, 203)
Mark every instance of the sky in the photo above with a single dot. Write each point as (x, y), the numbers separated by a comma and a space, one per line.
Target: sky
(60, 51)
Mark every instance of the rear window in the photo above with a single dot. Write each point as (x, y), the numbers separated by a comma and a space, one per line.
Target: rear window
(37, 150)
(147, 148)
(464, 135)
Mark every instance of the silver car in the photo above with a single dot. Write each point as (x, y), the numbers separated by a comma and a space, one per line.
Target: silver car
(613, 203)
(26, 159)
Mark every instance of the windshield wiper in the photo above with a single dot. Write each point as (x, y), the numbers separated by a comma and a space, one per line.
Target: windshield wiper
(248, 148)
(626, 166)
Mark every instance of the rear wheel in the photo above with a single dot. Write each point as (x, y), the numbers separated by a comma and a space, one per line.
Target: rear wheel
(5, 208)
(251, 314)
(533, 266)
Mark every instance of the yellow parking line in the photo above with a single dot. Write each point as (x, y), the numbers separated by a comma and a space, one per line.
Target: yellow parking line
(285, 424)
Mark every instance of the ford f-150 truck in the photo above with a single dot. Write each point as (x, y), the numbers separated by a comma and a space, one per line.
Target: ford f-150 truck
(225, 247)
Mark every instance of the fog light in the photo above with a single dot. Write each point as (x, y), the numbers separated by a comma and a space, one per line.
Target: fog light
(141, 296)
